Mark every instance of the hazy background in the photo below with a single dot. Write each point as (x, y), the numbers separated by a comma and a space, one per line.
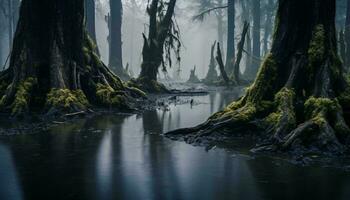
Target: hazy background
(197, 37)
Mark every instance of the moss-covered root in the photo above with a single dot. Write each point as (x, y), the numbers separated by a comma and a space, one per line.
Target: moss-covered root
(283, 120)
(60, 101)
(148, 86)
(109, 97)
(324, 128)
(20, 103)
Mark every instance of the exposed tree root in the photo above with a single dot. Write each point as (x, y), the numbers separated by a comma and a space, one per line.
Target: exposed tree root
(149, 86)
(300, 94)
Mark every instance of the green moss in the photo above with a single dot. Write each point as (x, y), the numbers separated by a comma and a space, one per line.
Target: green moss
(318, 108)
(284, 103)
(264, 82)
(66, 99)
(146, 85)
(22, 97)
(137, 91)
(316, 51)
(109, 97)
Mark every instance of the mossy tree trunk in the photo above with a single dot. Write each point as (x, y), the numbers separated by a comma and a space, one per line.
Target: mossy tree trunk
(300, 94)
(54, 63)
(160, 30)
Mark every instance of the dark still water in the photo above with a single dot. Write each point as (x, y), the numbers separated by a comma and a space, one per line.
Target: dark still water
(125, 157)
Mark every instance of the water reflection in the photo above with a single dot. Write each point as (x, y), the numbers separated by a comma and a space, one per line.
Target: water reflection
(10, 187)
(125, 157)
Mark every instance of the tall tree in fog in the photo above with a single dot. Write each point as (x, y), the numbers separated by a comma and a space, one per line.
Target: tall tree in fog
(163, 38)
(256, 36)
(9, 16)
(12, 16)
(269, 9)
(230, 52)
(54, 66)
(90, 13)
(300, 93)
(115, 38)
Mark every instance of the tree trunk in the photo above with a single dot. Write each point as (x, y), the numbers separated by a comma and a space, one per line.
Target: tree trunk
(300, 93)
(212, 74)
(342, 48)
(115, 43)
(90, 12)
(256, 36)
(152, 52)
(247, 17)
(268, 24)
(221, 65)
(16, 6)
(54, 65)
(10, 22)
(240, 46)
(347, 36)
(230, 53)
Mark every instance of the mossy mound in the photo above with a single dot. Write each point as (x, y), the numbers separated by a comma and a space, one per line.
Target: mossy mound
(22, 97)
(65, 100)
(148, 86)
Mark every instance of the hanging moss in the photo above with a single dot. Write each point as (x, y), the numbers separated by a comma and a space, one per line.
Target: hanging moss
(22, 97)
(67, 99)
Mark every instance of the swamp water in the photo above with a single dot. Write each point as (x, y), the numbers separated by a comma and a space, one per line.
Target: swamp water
(125, 157)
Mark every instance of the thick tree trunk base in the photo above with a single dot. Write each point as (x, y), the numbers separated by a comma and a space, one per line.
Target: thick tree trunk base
(286, 122)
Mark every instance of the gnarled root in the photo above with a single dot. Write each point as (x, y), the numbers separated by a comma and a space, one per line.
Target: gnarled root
(322, 129)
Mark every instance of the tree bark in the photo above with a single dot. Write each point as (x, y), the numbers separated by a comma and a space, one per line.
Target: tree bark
(268, 24)
(212, 74)
(347, 36)
(115, 43)
(152, 52)
(300, 94)
(90, 12)
(54, 64)
(240, 46)
(221, 65)
(230, 53)
(256, 35)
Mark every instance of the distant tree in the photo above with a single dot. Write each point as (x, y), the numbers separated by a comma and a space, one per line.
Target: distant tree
(163, 37)
(90, 13)
(115, 39)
